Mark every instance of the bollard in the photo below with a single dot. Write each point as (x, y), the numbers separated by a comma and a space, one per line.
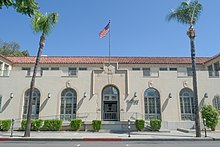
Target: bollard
(129, 128)
(12, 125)
(204, 123)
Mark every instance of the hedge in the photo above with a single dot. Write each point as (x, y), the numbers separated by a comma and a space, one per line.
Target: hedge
(5, 125)
(36, 124)
(96, 124)
(139, 124)
(52, 125)
(155, 124)
(75, 124)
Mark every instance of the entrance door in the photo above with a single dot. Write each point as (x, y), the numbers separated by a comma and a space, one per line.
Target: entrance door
(110, 104)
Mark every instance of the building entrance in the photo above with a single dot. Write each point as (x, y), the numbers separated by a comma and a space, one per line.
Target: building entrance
(110, 104)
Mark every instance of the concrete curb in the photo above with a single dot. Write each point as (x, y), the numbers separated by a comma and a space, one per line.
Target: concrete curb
(109, 139)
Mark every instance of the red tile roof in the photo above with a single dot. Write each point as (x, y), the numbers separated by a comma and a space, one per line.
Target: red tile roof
(216, 56)
(103, 59)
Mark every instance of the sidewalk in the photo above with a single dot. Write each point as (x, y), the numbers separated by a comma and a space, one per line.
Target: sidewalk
(103, 136)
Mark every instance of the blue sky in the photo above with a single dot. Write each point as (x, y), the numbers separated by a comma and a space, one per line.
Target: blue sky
(138, 28)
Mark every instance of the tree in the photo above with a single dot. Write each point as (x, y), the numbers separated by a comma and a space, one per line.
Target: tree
(211, 115)
(188, 13)
(27, 7)
(12, 49)
(40, 23)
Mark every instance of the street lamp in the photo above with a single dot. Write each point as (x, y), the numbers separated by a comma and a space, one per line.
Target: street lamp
(206, 95)
(135, 94)
(11, 95)
(84, 95)
(49, 95)
(169, 96)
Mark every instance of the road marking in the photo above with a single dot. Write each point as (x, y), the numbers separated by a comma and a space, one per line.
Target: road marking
(78, 145)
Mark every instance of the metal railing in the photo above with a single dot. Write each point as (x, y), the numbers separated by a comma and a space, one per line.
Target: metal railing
(152, 116)
(189, 117)
(110, 116)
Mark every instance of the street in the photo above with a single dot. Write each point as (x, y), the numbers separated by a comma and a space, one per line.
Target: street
(110, 144)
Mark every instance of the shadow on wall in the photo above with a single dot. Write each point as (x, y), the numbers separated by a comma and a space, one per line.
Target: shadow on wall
(80, 103)
(43, 104)
(201, 103)
(165, 104)
(5, 105)
(129, 103)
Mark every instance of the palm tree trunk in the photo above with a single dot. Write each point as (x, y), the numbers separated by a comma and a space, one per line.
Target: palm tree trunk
(191, 34)
(28, 124)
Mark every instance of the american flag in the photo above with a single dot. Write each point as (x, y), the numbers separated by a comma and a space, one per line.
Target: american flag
(104, 31)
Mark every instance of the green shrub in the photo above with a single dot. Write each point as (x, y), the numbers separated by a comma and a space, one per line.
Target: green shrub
(52, 125)
(139, 124)
(211, 115)
(36, 124)
(96, 124)
(23, 124)
(5, 125)
(76, 124)
(155, 124)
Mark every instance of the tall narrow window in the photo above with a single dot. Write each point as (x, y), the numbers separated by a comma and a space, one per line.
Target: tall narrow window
(216, 102)
(210, 69)
(187, 104)
(68, 104)
(216, 68)
(35, 104)
(152, 104)
(6, 70)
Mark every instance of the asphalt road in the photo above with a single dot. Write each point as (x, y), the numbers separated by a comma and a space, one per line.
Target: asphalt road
(111, 144)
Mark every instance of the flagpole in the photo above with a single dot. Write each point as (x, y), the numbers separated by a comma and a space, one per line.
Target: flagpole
(109, 44)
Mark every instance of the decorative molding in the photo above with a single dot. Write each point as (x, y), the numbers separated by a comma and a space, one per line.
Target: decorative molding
(109, 69)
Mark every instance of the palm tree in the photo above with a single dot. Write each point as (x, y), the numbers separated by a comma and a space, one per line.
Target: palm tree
(40, 23)
(188, 13)
(27, 7)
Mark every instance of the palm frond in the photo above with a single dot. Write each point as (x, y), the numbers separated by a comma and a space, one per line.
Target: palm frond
(187, 13)
(44, 23)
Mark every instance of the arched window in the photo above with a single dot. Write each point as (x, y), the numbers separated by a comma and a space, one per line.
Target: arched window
(152, 104)
(187, 104)
(68, 104)
(216, 102)
(35, 103)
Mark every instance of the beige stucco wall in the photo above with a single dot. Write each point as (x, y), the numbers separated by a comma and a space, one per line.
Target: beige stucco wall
(93, 80)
